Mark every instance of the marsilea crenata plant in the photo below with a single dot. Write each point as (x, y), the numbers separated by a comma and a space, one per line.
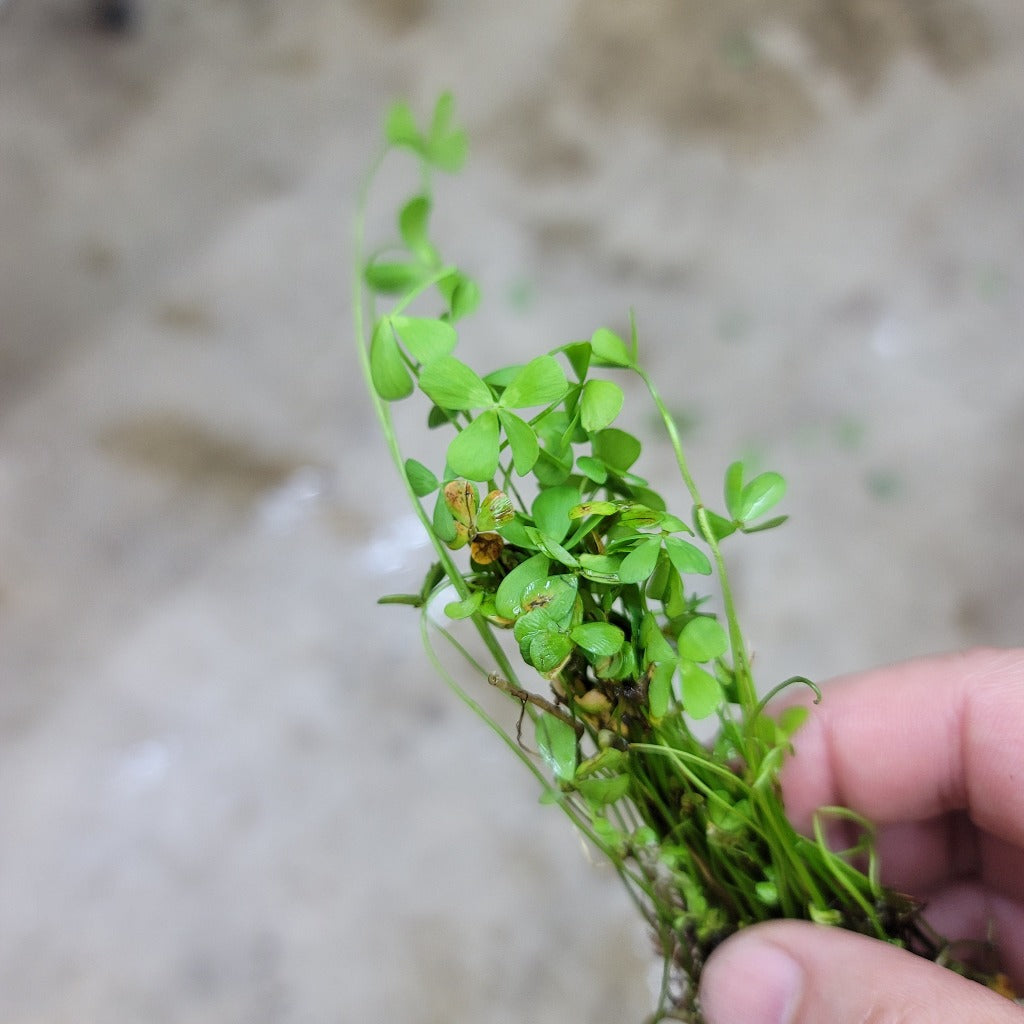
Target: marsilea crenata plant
(583, 591)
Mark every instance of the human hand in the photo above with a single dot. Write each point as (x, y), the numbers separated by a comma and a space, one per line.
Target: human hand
(932, 752)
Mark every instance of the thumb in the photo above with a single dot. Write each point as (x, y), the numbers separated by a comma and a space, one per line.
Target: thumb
(791, 972)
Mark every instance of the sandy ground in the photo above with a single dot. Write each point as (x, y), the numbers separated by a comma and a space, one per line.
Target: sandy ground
(230, 789)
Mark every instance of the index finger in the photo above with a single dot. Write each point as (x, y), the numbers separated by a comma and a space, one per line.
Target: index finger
(915, 741)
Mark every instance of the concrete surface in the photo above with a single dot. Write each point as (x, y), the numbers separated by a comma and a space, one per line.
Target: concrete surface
(230, 789)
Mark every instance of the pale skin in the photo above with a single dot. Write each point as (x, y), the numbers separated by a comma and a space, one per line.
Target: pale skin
(932, 752)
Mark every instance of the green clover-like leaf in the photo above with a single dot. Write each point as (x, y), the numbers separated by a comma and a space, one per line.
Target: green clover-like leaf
(702, 693)
(638, 565)
(392, 278)
(703, 639)
(461, 293)
(578, 353)
(600, 403)
(593, 469)
(598, 638)
(412, 225)
(549, 651)
(446, 146)
(655, 645)
(444, 525)
(594, 508)
(552, 510)
(451, 384)
(556, 595)
(764, 492)
(659, 690)
(530, 625)
(686, 557)
(609, 349)
(473, 453)
(425, 338)
(556, 741)
(390, 376)
(465, 608)
(601, 792)
(616, 448)
(733, 489)
(718, 526)
(508, 600)
(400, 127)
(522, 440)
(421, 479)
(599, 568)
(540, 382)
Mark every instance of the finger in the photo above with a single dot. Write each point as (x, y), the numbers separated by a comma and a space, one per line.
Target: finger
(790, 972)
(918, 856)
(916, 741)
(974, 913)
(915, 856)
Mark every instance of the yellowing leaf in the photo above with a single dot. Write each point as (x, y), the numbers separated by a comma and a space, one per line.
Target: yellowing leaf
(462, 499)
(495, 511)
(486, 548)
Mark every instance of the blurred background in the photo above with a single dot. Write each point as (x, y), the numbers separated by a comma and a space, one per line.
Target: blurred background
(231, 790)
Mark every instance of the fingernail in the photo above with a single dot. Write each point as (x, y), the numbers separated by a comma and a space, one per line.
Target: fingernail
(748, 981)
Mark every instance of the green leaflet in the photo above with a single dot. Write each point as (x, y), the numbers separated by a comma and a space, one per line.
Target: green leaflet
(703, 639)
(400, 128)
(555, 594)
(659, 690)
(393, 278)
(465, 608)
(548, 650)
(749, 501)
(605, 791)
(412, 226)
(390, 376)
(609, 349)
(522, 441)
(451, 384)
(598, 638)
(600, 403)
(461, 293)
(556, 741)
(686, 557)
(424, 338)
(638, 565)
(702, 693)
(761, 495)
(473, 453)
(540, 382)
(616, 449)
(509, 597)
(552, 509)
(421, 479)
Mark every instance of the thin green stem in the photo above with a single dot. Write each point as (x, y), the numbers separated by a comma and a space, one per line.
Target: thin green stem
(741, 661)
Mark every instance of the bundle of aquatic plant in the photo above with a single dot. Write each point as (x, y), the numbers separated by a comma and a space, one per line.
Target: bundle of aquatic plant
(582, 590)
